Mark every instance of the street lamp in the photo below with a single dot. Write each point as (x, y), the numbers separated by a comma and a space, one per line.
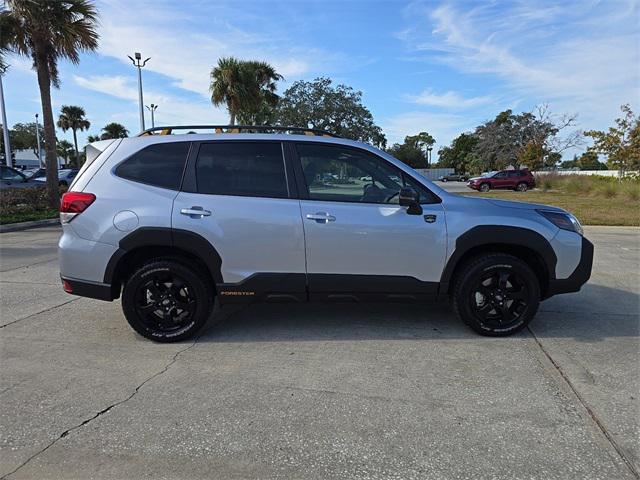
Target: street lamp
(429, 156)
(5, 128)
(138, 63)
(38, 142)
(152, 108)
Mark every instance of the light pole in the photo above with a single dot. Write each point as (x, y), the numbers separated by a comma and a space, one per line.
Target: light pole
(152, 108)
(38, 142)
(429, 156)
(5, 128)
(139, 64)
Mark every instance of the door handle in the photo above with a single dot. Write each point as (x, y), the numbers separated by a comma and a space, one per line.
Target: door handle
(321, 217)
(195, 212)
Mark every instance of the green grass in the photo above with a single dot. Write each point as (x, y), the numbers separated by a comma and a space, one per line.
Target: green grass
(603, 206)
(16, 217)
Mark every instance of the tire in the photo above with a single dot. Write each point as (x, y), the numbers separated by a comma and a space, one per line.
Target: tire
(496, 294)
(522, 187)
(485, 187)
(167, 300)
(445, 180)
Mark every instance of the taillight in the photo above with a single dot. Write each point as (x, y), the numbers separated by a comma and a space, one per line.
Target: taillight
(74, 203)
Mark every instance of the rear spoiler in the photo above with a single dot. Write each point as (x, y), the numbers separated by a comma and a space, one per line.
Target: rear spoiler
(96, 148)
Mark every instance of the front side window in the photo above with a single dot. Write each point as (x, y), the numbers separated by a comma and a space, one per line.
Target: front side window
(251, 169)
(334, 173)
(160, 165)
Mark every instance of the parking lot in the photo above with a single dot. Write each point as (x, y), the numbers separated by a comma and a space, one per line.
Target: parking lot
(319, 391)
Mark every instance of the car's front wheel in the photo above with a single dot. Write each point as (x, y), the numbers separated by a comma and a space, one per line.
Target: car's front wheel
(485, 187)
(496, 294)
(167, 300)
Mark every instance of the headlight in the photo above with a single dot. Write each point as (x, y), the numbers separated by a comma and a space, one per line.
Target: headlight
(562, 220)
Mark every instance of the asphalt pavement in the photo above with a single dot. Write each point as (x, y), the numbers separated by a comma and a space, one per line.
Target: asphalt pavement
(319, 391)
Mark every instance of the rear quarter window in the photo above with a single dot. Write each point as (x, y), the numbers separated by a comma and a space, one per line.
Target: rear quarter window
(160, 165)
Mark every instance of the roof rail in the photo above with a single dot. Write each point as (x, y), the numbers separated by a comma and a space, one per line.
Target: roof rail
(169, 129)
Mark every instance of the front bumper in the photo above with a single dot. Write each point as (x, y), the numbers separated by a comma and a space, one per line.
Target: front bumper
(472, 185)
(580, 275)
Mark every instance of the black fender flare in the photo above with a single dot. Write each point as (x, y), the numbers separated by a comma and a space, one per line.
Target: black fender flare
(499, 235)
(184, 240)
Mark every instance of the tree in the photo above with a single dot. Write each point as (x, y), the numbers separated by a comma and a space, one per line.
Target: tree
(93, 138)
(23, 136)
(530, 138)
(47, 31)
(245, 87)
(72, 118)
(114, 130)
(621, 143)
(64, 149)
(457, 155)
(339, 110)
(413, 151)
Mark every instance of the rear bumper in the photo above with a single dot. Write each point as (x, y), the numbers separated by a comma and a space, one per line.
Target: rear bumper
(84, 288)
(580, 275)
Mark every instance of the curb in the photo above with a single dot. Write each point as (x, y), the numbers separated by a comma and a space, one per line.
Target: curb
(16, 227)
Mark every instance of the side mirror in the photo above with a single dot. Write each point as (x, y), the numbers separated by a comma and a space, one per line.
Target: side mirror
(408, 197)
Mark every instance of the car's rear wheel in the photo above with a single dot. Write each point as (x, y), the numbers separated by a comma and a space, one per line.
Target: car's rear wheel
(445, 180)
(522, 187)
(496, 294)
(167, 300)
(485, 187)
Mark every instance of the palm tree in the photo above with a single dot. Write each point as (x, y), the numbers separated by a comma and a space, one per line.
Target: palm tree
(72, 118)
(46, 31)
(64, 149)
(114, 130)
(243, 86)
(93, 138)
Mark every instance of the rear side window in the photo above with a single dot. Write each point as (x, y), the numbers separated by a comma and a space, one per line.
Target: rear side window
(254, 169)
(160, 165)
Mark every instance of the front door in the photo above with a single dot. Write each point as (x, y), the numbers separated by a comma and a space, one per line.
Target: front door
(359, 241)
(241, 203)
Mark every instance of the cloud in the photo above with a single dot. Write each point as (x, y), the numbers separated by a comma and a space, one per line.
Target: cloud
(449, 100)
(173, 110)
(182, 48)
(576, 56)
(444, 127)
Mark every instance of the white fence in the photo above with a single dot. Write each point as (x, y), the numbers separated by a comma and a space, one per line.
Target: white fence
(602, 173)
(434, 173)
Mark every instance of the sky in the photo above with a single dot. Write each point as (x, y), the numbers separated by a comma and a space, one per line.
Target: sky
(437, 66)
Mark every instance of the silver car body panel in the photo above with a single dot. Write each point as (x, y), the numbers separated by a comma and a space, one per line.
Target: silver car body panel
(256, 235)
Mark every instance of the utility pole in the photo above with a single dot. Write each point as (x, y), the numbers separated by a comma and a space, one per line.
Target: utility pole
(5, 128)
(138, 63)
(42, 165)
(152, 108)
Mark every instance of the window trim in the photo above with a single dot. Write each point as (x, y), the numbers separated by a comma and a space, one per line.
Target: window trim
(184, 167)
(303, 189)
(190, 184)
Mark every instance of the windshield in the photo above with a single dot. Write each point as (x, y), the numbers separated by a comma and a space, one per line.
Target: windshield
(489, 174)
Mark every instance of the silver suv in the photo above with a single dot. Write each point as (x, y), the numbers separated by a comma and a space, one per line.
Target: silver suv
(172, 222)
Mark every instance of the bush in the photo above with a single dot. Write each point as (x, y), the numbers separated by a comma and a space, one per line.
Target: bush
(594, 185)
(22, 204)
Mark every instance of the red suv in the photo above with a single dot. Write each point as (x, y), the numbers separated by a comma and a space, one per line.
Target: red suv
(521, 180)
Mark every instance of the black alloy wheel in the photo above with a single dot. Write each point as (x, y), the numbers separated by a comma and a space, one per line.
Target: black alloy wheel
(168, 300)
(496, 294)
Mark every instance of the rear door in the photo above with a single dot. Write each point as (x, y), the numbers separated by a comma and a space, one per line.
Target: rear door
(500, 180)
(238, 195)
(359, 241)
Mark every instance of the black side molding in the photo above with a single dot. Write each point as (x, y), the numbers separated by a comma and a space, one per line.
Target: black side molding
(499, 235)
(580, 275)
(84, 288)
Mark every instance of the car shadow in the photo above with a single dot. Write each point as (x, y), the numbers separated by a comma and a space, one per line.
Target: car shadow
(594, 314)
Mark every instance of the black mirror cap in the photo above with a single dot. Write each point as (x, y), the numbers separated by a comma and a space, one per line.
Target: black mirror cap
(408, 196)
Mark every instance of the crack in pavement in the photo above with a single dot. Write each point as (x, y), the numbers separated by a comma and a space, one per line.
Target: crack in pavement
(629, 464)
(102, 412)
(41, 311)
(30, 265)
